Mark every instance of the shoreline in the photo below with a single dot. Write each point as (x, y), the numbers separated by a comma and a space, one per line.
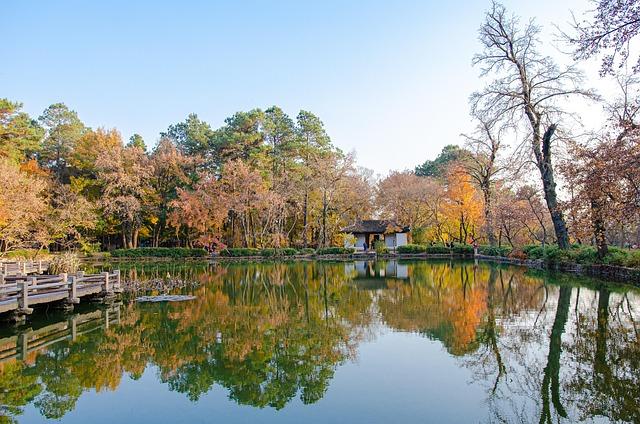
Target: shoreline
(611, 273)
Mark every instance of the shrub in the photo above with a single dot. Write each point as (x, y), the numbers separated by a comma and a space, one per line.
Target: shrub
(462, 249)
(287, 251)
(380, 247)
(411, 248)
(517, 254)
(68, 262)
(239, 252)
(159, 252)
(501, 251)
(633, 259)
(438, 249)
(336, 251)
(307, 251)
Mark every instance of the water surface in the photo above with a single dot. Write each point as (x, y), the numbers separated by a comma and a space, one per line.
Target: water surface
(317, 342)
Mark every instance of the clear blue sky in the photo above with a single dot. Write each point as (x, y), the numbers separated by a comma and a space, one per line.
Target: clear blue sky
(389, 79)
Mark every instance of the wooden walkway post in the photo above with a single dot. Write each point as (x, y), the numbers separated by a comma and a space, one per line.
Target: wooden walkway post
(106, 288)
(23, 299)
(73, 290)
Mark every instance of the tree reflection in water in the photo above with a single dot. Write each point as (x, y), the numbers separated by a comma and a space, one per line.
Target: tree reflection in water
(544, 347)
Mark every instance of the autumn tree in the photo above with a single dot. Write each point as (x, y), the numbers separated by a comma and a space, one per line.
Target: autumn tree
(125, 173)
(482, 166)
(22, 205)
(526, 89)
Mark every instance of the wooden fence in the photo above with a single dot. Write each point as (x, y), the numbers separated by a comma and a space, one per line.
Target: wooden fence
(20, 292)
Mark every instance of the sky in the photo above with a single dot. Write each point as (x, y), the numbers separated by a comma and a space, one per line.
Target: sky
(390, 80)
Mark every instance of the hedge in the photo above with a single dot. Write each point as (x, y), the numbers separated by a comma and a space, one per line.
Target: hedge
(336, 251)
(412, 248)
(494, 250)
(585, 255)
(438, 249)
(159, 252)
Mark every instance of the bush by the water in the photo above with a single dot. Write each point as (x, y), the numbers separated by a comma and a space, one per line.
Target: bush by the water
(287, 251)
(412, 248)
(159, 252)
(306, 251)
(380, 247)
(494, 250)
(336, 251)
(438, 249)
(239, 252)
(581, 254)
(462, 249)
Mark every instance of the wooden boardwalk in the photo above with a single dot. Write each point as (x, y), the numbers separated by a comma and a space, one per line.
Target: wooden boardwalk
(20, 292)
(21, 345)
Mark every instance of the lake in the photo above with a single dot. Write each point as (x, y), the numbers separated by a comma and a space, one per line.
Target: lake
(317, 342)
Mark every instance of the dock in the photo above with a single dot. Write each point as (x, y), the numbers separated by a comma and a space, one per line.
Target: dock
(20, 292)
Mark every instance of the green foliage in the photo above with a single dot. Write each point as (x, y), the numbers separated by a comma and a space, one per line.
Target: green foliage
(411, 248)
(287, 251)
(436, 168)
(159, 252)
(419, 235)
(462, 249)
(438, 249)
(585, 255)
(336, 251)
(240, 252)
(307, 251)
(380, 247)
(26, 254)
(494, 250)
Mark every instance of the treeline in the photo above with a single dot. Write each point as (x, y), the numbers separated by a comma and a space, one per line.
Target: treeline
(261, 180)
(267, 180)
(524, 175)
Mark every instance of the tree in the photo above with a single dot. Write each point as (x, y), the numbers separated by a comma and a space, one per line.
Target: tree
(22, 206)
(136, 140)
(19, 134)
(526, 91)
(172, 170)
(614, 24)
(408, 198)
(438, 167)
(482, 167)
(193, 136)
(63, 130)
(125, 173)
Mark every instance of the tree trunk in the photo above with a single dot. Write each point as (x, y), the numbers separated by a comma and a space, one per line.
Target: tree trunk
(488, 215)
(599, 230)
(543, 160)
(305, 222)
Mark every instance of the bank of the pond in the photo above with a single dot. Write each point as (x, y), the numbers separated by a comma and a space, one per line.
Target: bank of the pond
(602, 271)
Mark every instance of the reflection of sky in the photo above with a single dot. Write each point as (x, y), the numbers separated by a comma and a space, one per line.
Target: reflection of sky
(398, 377)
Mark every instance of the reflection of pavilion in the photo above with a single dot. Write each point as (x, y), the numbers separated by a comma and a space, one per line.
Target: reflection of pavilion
(373, 274)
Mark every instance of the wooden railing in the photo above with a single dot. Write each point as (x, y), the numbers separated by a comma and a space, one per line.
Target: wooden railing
(20, 292)
(28, 341)
(8, 268)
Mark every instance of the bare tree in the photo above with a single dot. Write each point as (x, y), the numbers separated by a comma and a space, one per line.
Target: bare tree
(525, 91)
(610, 29)
(482, 166)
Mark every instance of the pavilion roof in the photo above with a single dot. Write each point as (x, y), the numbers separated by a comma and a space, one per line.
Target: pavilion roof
(376, 226)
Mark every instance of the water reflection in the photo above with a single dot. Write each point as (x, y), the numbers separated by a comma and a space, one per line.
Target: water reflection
(543, 348)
